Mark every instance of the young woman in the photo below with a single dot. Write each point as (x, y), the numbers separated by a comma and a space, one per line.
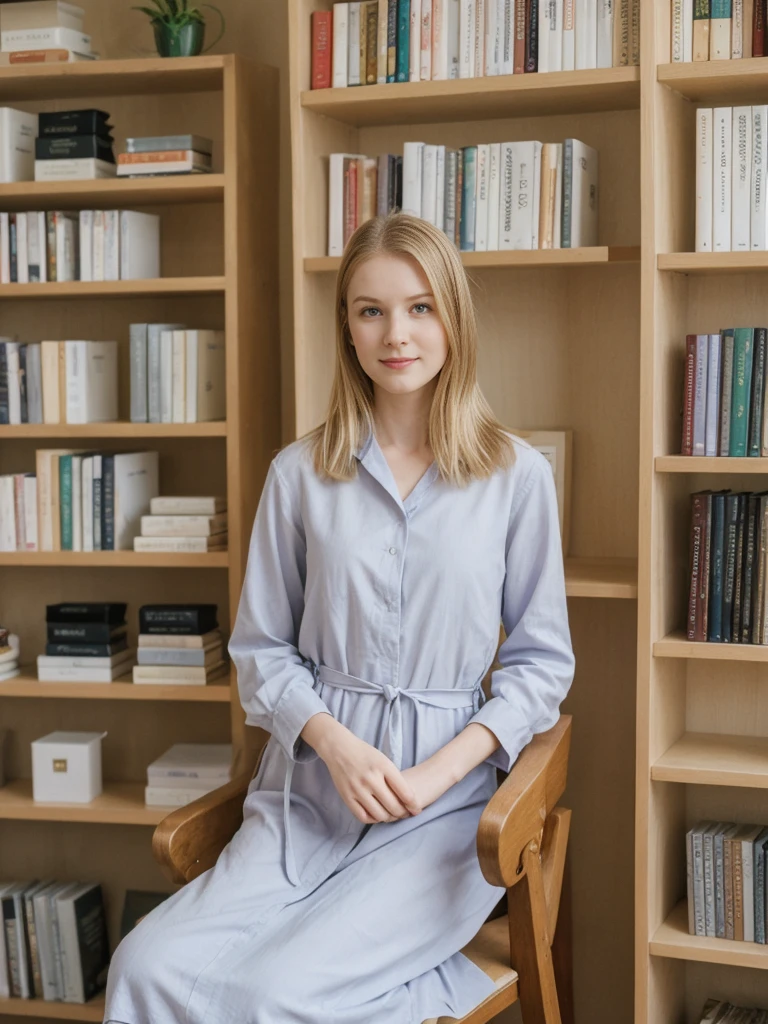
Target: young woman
(387, 545)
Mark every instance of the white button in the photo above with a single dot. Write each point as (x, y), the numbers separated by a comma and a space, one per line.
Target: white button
(393, 551)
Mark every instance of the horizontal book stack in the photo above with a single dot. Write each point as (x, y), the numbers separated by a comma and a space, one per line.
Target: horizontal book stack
(719, 1011)
(9, 662)
(158, 155)
(53, 943)
(86, 643)
(508, 195)
(42, 32)
(74, 145)
(726, 871)
(724, 394)
(717, 29)
(180, 523)
(179, 644)
(728, 558)
(89, 245)
(379, 41)
(187, 771)
(731, 174)
(177, 374)
(58, 382)
(93, 501)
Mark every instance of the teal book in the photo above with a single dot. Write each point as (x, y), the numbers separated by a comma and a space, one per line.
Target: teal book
(468, 198)
(743, 339)
(65, 501)
(403, 40)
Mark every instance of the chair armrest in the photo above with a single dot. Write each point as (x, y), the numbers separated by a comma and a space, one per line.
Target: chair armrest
(516, 812)
(189, 840)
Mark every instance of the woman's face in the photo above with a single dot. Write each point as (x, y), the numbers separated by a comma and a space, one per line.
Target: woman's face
(399, 339)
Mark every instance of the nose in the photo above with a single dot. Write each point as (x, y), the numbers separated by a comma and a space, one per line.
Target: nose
(397, 330)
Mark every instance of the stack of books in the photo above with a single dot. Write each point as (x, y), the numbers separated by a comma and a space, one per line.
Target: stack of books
(724, 393)
(187, 771)
(157, 155)
(178, 523)
(43, 31)
(9, 656)
(89, 245)
(177, 375)
(508, 195)
(719, 1011)
(86, 643)
(18, 512)
(376, 41)
(54, 945)
(179, 644)
(74, 145)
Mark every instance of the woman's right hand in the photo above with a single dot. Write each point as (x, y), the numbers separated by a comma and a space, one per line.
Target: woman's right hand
(368, 782)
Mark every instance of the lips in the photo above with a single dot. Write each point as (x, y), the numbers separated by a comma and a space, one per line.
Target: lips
(397, 363)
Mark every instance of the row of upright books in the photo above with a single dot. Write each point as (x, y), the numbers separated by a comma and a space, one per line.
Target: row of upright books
(731, 178)
(728, 556)
(378, 41)
(178, 375)
(717, 30)
(508, 195)
(89, 245)
(724, 398)
(720, 1011)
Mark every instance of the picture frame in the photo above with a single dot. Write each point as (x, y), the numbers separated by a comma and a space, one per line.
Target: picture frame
(557, 448)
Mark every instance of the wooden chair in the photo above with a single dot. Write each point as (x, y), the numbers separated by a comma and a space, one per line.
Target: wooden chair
(521, 842)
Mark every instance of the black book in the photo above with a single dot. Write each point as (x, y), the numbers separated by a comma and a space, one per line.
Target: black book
(4, 413)
(108, 503)
(66, 147)
(12, 240)
(76, 650)
(739, 568)
(755, 435)
(84, 941)
(91, 611)
(73, 122)
(177, 618)
(84, 632)
(753, 503)
(532, 36)
(715, 612)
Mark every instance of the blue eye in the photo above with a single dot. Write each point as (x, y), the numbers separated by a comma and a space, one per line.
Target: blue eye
(368, 309)
(423, 306)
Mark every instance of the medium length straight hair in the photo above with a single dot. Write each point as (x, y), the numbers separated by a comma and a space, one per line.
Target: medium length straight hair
(467, 440)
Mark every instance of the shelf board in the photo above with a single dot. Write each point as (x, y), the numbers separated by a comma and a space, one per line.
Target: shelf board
(672, 940)
(709, 464)
(45, 1010)
(478, 99)
(112, 192)
(112, 289)
(526, 258)
(714, 262)
(676, 645)
(715, 759)
(104, 430)
(141, 76)
(601, 577)
(121, 803)
(27, 685)
(118, 559)
(718, 82)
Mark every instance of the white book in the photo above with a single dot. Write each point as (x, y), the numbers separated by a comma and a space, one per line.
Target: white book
(111, 245)
(37, 241)
(720, 38)
(91, 381)
(676, 32)
(452, 37)
(508, 38)
(187, 505)
(336, 200)
(166, 376)
(135, 483)
(157, 796)
(7, 514)
(30, 511)
(183, 526)
(506, 194)
(605, 16)
(178, 377)
(687, 31)
(83, 168)
(34, 383)
(54, 37)
(569, 34)
(546, 16)
(86, 245)
(414, 42)
(5, 987)
(66, 674)
(87, 502)
(481, 208)
(121, 659)
(188, 545)
(340, 44)
(66, 228)
(97, 475)
(536, 193)
(714, 369)
(494, 195)
(586, 35)
(77, 502)
(5, 249)
(18, 131)
(479, 55)
(466, 38)
(192, 761)
(741, 164)
(440, 188)
(353, 44)
(704, 179)
(58, 949)
(22, 249)
(45, 940)
(139, 245)
(413, 159)
(721, 151)
(205, 361)
(425, 43)
(491, 21)
(382, 30)
(429, 184)
(178, 673)
(758, 228)
(582, 196)
(99, 224)
(440, 39)
(737, 29)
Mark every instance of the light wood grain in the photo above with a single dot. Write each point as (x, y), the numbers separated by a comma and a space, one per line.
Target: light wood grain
(110, 289)
(121, 803)
(90, 1011)
(713, 759)
(112, 430)
(709, 464)
(586, 257)
(117, 559)
(718, 82)
(714, 262)
(111, 193)
(28, 685)
(676, 645)
(601, 577)
(671, 939)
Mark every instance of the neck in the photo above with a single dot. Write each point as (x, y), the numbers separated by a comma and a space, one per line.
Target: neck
(402, 421)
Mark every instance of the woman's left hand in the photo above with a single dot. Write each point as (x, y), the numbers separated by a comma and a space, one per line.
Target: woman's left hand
(429, 780)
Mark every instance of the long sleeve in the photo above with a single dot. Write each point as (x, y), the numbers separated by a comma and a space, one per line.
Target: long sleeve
(274, 683)
(537, 661)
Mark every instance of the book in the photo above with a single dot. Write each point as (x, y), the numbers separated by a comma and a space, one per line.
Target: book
(73, 169)
(205, 376)
(320, 77)
(40, 14)
(172, 796)
(65, 147)
(187, 505)
(124, 658)
(580, 198)
(177, 643)
(53, 55)
(190, 545)
(135, 484)
(205, 657)
(192, 761)
(91, 381)
(85, 632)
(704, 179)
(183, 526)
(160, 143)
(18, 130)
(112, 612)
(84, 942)
(177, 618)
(139, 245)
(45, 37)
(80, 674)
(179, 674)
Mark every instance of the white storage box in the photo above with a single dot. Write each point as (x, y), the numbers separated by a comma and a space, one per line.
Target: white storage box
(66, 767)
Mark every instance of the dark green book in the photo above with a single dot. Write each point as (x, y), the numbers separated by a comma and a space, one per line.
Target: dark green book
(743, 338)
(739, 570)
(65, 501)
(729, 561)
(753, 505)
(391, 39)
(756, 399)
(715, 612)
(402, 72)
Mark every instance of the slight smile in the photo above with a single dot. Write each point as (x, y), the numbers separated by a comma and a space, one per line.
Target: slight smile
(397, 364)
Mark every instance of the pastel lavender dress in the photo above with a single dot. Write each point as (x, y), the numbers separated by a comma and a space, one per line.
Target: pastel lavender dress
(384, 613)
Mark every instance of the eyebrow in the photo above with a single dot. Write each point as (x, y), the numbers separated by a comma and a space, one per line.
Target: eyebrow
(412, 298)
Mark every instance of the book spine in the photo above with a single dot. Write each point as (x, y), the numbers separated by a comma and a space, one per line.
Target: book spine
(686, 447)
(704, 179)
(737, 30)
(321, 49)
(5, 416)
(391, 39)
(108, 503)
(758, 29)
(698, 522)
(758, 389)
(749, 567)
(65, 499)
(738, 570)
(721, 218)
(758, 228)
(701, 20)
(709, 886)
(676, 39)
(402, 72)
(720, 30)
(758, 615)
(565, 237)
(698, 883)
(759, 900)
(742, 383)
(371, 42)
(468, 199)
(738, 892)
(340, 42)
(728, 885)
(729, 568)
(715, 611)
(719, 887)
(702, 598)
(741, 162)
(714, 370)
(700, 395)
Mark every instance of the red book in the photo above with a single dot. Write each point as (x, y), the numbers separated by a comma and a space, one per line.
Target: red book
(689, 394)
(350, 198)
(758, 29)
(519, 51)
(321, 49)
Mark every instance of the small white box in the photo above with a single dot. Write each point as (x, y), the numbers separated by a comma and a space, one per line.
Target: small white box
(66, 767)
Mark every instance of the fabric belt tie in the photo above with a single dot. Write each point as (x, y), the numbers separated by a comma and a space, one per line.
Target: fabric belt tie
(392, 746)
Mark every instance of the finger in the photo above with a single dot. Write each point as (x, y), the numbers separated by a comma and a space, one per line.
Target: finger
(374, 808)
(402, 790)
(389, 801)
(360, 813)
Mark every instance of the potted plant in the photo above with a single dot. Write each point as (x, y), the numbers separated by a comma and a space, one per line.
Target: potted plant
(179, 27)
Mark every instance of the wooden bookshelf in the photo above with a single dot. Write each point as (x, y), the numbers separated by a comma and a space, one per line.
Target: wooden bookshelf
(559, 347)
(672, 940)
(714, 759)
(219, 261)
(717, 82)
(676, 645)
(714, 262)
(709, 464)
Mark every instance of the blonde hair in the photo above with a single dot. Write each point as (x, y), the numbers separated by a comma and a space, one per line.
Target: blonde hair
(466, 439)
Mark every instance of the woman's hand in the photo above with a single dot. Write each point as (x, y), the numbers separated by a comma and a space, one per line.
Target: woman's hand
(429, 780)
(368, 782)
